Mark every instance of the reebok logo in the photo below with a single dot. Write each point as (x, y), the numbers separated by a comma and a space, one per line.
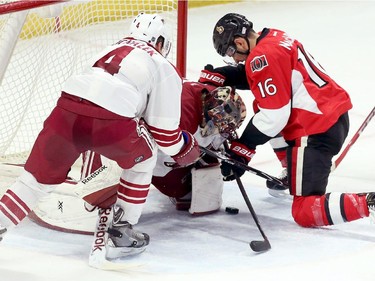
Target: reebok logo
(101, 230)
(94, 174)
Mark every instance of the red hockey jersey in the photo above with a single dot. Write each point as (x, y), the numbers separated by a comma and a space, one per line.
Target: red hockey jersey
(294, 93)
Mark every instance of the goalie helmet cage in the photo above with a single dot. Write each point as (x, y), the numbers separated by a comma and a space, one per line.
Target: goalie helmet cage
(45, 42)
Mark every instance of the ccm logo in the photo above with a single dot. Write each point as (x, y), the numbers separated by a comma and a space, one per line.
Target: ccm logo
(243, 151)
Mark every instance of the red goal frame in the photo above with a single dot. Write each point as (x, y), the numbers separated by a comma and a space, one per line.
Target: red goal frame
(182, 13)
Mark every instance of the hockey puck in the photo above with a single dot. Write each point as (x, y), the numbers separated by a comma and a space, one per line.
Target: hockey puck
(231, 210)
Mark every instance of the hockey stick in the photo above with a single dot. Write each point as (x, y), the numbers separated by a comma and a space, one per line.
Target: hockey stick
(236, 163)
(255, 245)
(353, 140)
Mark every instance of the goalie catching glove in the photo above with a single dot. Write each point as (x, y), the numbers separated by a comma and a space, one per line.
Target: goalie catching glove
(238, 152)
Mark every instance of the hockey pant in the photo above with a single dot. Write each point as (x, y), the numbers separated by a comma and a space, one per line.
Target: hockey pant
(71, 129)
(309, 166)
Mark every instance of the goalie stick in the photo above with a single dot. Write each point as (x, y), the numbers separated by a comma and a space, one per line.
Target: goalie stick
(97, 257)
(353, 140)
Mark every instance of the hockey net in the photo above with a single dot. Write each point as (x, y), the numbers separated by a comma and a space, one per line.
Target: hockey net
(45, 42)
(42, 44)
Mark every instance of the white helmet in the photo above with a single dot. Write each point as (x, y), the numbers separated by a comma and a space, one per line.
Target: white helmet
(151, 29)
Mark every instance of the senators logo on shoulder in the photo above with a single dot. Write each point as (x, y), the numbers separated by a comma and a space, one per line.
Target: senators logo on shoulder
(258, 63)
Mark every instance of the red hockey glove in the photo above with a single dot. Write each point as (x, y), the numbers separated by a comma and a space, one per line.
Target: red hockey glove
(209, 77)
(189, 153)
(239, 152)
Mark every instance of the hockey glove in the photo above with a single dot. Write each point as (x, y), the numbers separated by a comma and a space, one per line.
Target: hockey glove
(208, 76)
(239, 152)
(189, 153)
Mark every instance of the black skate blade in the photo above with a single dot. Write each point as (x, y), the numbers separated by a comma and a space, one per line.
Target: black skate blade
(260, 246)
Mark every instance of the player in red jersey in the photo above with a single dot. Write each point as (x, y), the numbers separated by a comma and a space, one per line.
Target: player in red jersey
(230, 75)
(297, 98)
(125, 105)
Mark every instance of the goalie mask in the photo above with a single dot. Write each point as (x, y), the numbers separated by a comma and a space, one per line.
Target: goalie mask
(151, 29)
(223, 112)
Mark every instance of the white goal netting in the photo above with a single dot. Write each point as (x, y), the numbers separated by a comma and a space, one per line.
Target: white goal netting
(56, 41)
(41, 47)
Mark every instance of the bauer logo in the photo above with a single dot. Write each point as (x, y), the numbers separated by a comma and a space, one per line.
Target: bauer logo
(258, 63)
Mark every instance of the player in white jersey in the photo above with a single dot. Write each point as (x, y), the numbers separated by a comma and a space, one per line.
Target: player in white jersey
(124, 106)
(297, 98)
(211, 113)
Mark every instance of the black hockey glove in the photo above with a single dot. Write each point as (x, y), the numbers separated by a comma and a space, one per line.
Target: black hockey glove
(209, 76)
(238, 152)
(234, 76)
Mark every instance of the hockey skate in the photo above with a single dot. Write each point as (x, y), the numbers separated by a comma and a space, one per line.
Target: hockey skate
(3, 230)
(277, 190)
(123, 240)
(370, 199)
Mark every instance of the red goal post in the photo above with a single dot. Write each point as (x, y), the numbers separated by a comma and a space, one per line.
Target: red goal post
(44, 42)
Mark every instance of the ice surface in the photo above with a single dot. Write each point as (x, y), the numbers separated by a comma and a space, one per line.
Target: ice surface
(340, 35)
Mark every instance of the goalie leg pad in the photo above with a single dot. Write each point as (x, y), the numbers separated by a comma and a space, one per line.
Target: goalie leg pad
(207, 190)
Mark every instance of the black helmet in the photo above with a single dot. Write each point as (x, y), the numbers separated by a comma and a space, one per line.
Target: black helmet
(228, 27)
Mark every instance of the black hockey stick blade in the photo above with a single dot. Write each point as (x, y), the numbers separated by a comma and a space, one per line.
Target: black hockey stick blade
(225, 158)
(256, 246)
(260, 246)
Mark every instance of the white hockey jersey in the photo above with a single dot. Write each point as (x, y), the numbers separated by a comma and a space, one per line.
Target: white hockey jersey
(132, 79)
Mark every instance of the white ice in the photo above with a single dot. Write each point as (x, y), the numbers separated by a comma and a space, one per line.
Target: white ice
(340, 35)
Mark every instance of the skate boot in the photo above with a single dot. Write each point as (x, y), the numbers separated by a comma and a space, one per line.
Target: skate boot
(123, 240)
(2, 232)
(277, 190)
(370, 199)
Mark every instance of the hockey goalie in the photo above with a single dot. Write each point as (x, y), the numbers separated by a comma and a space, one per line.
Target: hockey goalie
(212, 114)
